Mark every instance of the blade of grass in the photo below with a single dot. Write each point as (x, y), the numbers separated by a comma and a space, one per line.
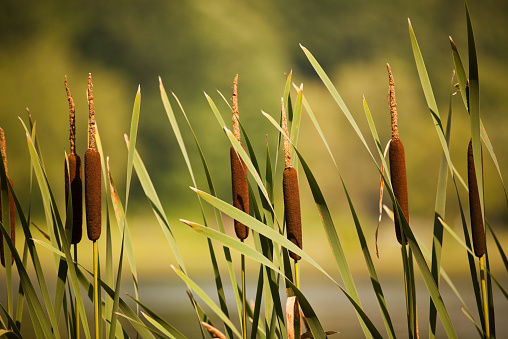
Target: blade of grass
(132, 137)
(176, 131)
(192, 285)
(161, 322)
(439, 212)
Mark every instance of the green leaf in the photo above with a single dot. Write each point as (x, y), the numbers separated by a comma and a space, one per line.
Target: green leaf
(268, 232)
(132, 137)
(173, 332)
(429, 95)
(207, 300)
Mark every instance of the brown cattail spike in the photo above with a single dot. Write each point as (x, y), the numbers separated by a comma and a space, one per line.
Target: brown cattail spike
(74, 181)
(239, 184)
(93, 193)
(73, 175)
(92, 174)
(475, 208)
(240, 191)
(292, 208)
(12, 207)
(399, 182)
(397, 161)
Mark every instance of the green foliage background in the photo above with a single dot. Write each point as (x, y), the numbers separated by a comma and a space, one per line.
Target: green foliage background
(198, 46)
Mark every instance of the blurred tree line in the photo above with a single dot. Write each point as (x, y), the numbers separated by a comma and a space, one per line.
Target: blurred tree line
(198, 46)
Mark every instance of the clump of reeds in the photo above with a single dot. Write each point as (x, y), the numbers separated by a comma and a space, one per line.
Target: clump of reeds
(73, 175)
(92, 174)
(397, 162)
(239, 182)
(475, 208)
(12, 208)
(291, 194)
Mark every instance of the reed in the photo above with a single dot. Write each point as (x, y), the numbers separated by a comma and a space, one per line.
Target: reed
(239, 182)
(397, 162)
(92, 174)
(475, 208)
(73, 175)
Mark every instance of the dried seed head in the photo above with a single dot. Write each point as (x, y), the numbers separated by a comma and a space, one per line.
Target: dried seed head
(392, 104)
(73, 180)
(72, 119)
(292, 208)
(91, 114)
(475, 208)
(287, 152)
(236, 112)
(93, 193)
(240, 188)
(399, 182)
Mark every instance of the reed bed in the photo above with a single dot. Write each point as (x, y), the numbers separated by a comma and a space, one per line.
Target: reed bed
(263, 230)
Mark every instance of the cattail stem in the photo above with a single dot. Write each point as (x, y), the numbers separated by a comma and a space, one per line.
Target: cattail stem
(96, 289)
(244, 300)
(77, 308)
(484, 297)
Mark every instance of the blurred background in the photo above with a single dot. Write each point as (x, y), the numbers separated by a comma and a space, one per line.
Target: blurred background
(198, 46)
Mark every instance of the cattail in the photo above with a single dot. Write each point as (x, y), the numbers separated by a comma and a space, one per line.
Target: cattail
(291, 194)
(397, 162)
(475, 208)
(239, 182)
(12, 207)
(73, 175)
(92, 174)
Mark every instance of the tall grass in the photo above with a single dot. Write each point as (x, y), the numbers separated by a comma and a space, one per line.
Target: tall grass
(62, 309)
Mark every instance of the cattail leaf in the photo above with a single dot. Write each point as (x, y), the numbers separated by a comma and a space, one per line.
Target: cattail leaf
(295, 124)
(161, 328)
(463, 83)
(41, 324)
(151, 194)
(335, 94)
(499, 247)
(474, 108)
(46, 193)
(176, 130)
(157, 321)
(122, 305)
(331, 233)
(425, 271)
(192, 285)
(132, 137)
(428, 93)
(439, 212)
(259, 227)
(122, 223)
(116, 298)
